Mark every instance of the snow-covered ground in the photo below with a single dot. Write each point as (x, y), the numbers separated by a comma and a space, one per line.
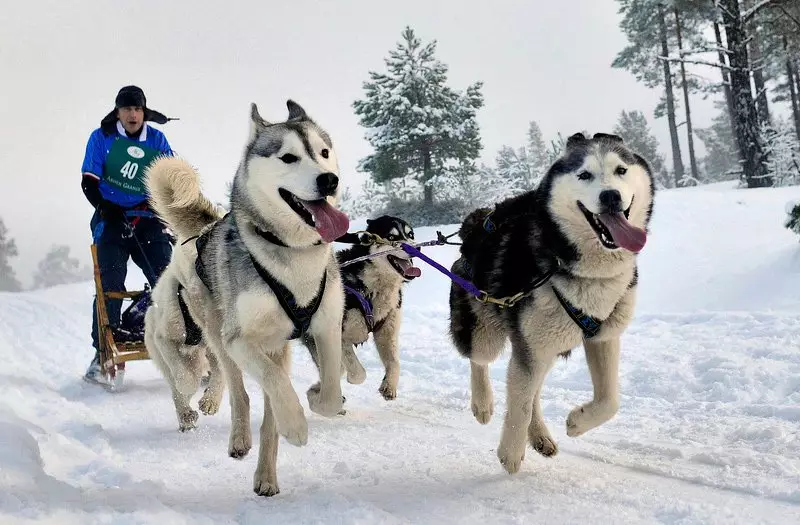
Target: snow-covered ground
(708, 430)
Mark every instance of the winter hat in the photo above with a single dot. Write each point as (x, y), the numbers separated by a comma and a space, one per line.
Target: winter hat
(132, 96)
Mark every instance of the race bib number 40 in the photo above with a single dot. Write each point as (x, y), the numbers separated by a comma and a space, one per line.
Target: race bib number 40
(126, 163)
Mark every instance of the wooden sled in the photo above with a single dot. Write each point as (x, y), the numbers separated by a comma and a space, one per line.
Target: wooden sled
(113, 354)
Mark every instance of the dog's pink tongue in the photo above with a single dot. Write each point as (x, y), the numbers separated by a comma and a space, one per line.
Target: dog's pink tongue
(625, 234)
(330, 222)
(409, 270)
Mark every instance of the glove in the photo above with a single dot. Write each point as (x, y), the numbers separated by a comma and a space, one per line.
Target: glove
(110, 212)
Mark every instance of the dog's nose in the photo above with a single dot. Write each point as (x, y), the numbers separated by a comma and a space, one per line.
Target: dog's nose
(611, 200)
(327, 184)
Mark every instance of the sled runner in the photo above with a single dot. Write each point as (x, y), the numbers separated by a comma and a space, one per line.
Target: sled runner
(123, 343)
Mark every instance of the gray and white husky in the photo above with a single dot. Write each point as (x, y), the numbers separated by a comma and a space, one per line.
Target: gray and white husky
(571, 246)
(374, 299)
(263, 274)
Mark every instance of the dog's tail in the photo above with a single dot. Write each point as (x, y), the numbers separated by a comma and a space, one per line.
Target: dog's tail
(176, 197)
(474, 229)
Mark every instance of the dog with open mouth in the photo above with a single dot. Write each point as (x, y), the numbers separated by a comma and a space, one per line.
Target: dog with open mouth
(373, 300)
(570, 247)
(246, 284)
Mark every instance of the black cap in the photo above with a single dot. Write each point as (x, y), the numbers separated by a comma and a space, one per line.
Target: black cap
(132, 96)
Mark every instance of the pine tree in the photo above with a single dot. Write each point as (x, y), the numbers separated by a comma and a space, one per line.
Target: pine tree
(58, 268)
(417, 125)
(537, 154)
(633, 128)
(513, 167)
(8, 250)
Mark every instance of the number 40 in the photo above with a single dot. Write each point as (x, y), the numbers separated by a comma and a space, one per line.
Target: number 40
(129, 169)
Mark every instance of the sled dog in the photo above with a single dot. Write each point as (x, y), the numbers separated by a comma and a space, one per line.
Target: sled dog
(373, 300)
(257, 278)
(570, 247)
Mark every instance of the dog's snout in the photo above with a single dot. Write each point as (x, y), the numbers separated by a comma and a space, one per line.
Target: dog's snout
(611, 200)
(327, 183)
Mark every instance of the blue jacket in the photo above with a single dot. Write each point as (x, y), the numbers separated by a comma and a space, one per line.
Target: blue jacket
(95, 159)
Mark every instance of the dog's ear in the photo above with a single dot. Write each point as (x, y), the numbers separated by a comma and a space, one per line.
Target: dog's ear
(575, 139)
(608, 136)
(256, 122)
(296, 111)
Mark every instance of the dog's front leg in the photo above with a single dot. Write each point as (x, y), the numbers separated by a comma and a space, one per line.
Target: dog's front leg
(254, 358)
(325, 397)
(603, 360)
(386, 338)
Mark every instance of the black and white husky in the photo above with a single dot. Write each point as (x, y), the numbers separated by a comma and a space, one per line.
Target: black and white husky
(255, 279)
(579, 233)
(373, 299)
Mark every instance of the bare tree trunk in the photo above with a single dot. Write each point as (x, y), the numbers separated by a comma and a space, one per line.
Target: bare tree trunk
(757, 67)
(790, 75)
(689, 133)
(726, 81)
(677, 161)
(427, 175)
(746, 128)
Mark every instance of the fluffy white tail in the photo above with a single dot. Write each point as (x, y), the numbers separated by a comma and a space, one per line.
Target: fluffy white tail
(176, 197)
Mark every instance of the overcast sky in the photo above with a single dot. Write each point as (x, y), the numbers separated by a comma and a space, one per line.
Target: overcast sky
(62, 63)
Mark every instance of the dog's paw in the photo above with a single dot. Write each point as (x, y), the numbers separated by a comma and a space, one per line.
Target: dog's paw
(388, 389)
(265, 488)
(586, 417)
(292, 423)
(328, 406)
(483, 414)
(187, 421)
(510, 460)
(356, 374)
(240, 443)
(544, 445)
(209, 403)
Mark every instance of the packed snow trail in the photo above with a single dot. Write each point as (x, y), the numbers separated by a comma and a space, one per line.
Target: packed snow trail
(708, 429)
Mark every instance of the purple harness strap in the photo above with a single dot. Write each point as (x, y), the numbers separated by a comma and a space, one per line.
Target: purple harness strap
(463, 283)
(366, 307)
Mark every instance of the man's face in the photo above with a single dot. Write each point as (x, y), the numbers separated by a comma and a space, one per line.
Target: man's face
(132, 118)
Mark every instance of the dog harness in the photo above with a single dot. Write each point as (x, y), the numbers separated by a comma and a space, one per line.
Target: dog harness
(356, 299)
(589, 325)
(193, 332)
(300, 316)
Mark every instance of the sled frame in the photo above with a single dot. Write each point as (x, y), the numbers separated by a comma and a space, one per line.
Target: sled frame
(113, 355)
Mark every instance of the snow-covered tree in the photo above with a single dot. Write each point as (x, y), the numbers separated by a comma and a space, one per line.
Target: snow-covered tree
(721, 162)
(781, 144)
(537, 153)
(513, 168)
(58, 267)
(633, 128)
(8, 249)
(417, 125)
(793, 216)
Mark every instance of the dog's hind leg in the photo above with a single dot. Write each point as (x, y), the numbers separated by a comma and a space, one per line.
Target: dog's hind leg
(603, 360)
(538, 435)
(526, 373)
(487, 345)
(240, 441)
(156, 344)
(212, 397)
(386, 342)
(355, 370)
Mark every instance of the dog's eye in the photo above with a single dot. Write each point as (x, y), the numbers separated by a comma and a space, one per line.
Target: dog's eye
(585, 175)
(324, 153)
(289, 158)
(410, 235)
(621, 170)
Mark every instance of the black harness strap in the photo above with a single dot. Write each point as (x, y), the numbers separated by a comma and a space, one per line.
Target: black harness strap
(300, 316)
(589, 325)
(194, 335)
(199, 268)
